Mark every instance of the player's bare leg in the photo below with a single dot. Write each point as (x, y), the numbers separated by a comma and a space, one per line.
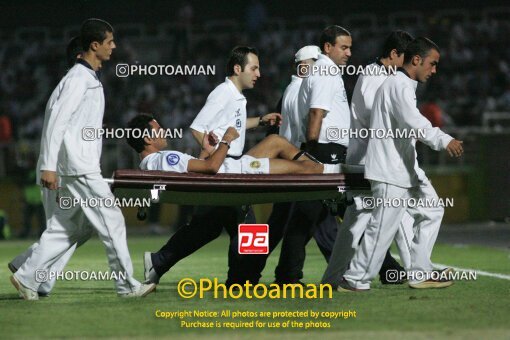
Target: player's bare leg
(283, 166)
(274, 146)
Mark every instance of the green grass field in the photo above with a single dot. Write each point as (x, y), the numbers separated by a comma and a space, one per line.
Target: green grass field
(91, 309)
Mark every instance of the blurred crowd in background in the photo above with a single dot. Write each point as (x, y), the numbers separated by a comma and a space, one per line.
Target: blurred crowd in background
(473, 74)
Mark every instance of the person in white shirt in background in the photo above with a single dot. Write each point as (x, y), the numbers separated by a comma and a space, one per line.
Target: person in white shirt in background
(78, 103)
(394, 174)
(290, 127)
(357, 216)
(322, 104)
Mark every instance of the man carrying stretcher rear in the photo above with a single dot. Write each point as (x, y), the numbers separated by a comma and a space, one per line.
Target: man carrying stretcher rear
(273, 155)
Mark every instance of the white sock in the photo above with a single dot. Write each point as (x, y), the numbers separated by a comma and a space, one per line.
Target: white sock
(331, 169)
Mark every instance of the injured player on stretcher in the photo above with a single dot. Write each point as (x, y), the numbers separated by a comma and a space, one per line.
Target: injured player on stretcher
(273, 155)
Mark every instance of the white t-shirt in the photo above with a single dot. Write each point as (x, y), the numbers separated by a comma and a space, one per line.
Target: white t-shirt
(291, 124)
(325, 90)
(178, 162)
(225, 107)
(166, 161)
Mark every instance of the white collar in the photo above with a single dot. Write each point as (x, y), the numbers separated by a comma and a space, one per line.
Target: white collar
(326, 59)
(294, 78)
(238, 95)
(409, 80)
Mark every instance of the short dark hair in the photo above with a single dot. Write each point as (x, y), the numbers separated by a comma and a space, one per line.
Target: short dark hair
(94, 30)
(397, 40)
(141, 123)
(420, 46)
(74, 48)
(239, 56)
(330, 33)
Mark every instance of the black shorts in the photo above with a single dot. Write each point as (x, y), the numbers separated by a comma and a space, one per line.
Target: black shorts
(330, 153)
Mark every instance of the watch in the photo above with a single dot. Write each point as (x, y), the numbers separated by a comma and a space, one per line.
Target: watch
(226, 143)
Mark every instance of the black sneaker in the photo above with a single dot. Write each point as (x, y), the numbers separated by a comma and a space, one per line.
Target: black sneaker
(288, 284)
(392, 273)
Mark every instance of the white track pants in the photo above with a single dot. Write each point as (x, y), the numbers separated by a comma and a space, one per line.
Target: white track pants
(351, 230)
(383, 226)
(67, 227)
(49, 203)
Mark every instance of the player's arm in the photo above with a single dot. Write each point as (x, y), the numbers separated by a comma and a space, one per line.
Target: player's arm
(212, 164)
(270, 119)
(209, 141)
(431, 136)
(59, 119)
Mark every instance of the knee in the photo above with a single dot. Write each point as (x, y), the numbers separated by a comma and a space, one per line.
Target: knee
(276, 139)
(436, 214)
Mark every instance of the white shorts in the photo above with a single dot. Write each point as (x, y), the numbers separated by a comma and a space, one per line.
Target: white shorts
(245, 165)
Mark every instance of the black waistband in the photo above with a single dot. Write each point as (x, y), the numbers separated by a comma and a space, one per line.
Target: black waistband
(234, 157)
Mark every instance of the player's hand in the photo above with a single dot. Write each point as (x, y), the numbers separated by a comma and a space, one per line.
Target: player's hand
(212, 138)
(209, 141)
(272, 119)
(231, 134)
(49, 179)
(455, 148)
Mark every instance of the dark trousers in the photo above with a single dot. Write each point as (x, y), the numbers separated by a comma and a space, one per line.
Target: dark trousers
(30, 210)
(206, 225)
(305, 219)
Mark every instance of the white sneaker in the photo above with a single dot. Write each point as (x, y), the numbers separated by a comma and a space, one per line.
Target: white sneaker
(24, 292)
(149, 273)
(142, 291)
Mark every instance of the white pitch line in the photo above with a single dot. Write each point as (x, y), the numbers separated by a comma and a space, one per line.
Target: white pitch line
(481, 272)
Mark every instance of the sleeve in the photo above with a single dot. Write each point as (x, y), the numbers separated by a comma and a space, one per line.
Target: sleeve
(358, 106)
(408, 113)
(60, 113)
(174, 161)
(209, 117)
(322, 92)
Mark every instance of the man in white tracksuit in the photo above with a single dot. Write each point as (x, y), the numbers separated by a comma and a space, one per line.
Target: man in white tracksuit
(74, 50)
(78, 103)
(357, 216)
(391, 166)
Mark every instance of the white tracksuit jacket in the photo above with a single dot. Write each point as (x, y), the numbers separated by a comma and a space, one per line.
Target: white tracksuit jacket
(393, 160)
(76, 103)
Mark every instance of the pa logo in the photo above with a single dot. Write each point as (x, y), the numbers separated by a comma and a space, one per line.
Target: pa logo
(172, 159)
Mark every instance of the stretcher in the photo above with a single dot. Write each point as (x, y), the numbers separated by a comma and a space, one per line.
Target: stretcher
(235, 189)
